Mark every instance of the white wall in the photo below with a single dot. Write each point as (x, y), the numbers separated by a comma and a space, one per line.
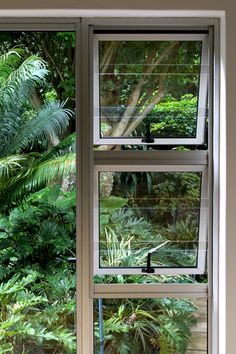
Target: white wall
(208, 8)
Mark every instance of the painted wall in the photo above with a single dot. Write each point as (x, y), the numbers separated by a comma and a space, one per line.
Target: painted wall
(208, 8)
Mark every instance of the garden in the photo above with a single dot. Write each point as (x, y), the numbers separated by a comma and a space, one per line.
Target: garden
(138, 211)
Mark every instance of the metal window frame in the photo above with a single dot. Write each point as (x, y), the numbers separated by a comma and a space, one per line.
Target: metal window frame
(153, 167)
(88, 291)
(133, 291)
(203, 84)
(210, 157)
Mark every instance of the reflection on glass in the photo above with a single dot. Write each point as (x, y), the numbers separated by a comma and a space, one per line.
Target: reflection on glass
(150, 81)
(149, 212)
(37, 193)
(138, 326)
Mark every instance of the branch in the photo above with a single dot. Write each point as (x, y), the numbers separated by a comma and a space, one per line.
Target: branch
(48, 55)
(145, 112)
(108, 57)
(135, 95)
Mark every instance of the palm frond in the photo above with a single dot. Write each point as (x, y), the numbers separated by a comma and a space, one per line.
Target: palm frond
(51, 120)
(50, 170)
(65, 146)
(9, 165)
(9, 126)
(10, 61)
(19, 83)
(37, 176)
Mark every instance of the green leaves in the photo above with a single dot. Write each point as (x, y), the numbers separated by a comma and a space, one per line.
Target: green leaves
(111, 204)
(51, 121)
(146, 325)
(25, 129)
(176, 118)
(37, 303)
(37, 233)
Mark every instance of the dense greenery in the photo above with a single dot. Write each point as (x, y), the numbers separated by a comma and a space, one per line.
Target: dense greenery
(154, 81)
(146, 326)
(38, 200)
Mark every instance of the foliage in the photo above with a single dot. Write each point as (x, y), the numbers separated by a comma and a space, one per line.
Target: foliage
(155, 212)
(38, 201)
(146, 326)
(37, 229)
(174, 118)
(36, 239)
(58, 50)
(25, 143)
(144, 81)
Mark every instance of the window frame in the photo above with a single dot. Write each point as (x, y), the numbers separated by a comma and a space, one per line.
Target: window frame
(85, 159)
(153, 166)
(202, 97)
(96, 290)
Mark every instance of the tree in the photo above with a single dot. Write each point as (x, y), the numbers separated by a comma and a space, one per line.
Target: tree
(136, 76)
(31, 153)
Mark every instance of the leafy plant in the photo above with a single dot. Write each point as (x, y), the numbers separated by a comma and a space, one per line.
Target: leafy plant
(146, 325)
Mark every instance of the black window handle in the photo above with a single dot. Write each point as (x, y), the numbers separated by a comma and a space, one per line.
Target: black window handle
(148, 138)
(148, 269)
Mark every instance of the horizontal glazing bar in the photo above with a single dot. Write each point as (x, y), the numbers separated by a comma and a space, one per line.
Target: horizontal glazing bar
(150, 290)
(150, 157)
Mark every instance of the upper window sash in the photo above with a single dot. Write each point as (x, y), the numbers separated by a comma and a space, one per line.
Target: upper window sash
(133, 112)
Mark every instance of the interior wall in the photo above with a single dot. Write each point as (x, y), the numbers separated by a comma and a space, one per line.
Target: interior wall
(208, 8)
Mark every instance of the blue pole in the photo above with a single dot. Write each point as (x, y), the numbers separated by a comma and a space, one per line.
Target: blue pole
(100, 314)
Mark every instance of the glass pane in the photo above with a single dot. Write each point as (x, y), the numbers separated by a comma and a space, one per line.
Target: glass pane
(153, 215)
(151, 87)
(150, 326)
(37, 192)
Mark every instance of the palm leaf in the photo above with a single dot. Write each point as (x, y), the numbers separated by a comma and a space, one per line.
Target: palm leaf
(51, 120)
(50, 170)
(36, 176)
(21, 81)
(9, 165)
(65, 146)
(10, 61)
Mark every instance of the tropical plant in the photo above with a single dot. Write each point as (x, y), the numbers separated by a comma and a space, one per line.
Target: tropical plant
(37, 203)
(37, 290)
(138, 77)
(136, 326)
(30, 320)
(29, 154)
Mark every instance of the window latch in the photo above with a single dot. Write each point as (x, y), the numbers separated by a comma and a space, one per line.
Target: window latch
(148, 269)
(148, 139)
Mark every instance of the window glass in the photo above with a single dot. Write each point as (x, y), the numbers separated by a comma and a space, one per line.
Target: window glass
(161, 325)
(152, 90)
(150, 221)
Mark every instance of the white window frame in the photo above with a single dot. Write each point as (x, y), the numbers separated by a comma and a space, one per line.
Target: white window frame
(202, 98)
(154, 167)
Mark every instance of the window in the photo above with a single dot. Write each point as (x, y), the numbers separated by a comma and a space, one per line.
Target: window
(160, 217)
(147, 229)
(134, 72)
(152, 130)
